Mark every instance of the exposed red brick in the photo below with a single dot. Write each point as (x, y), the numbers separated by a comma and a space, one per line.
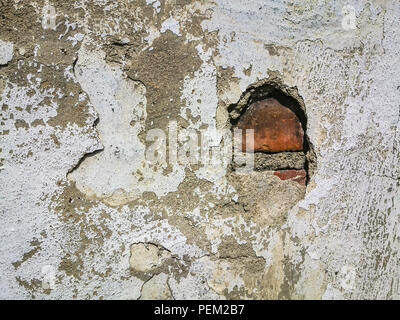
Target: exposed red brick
(276, 128)
(295, 175)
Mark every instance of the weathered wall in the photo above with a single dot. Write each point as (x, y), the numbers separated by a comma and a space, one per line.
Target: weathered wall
(83, 215)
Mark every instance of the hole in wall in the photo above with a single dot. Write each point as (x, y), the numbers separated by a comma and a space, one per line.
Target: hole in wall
(277, 114)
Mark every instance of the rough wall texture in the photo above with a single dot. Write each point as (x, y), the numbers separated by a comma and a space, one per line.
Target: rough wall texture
(84, 215)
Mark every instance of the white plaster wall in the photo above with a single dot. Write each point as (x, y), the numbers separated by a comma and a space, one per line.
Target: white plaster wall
(346, 227)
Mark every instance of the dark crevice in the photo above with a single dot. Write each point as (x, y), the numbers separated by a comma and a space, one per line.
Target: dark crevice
(136, 80)
(120, 44)
(159, 247)
(87, 155)
(96, 122)
(74, 66)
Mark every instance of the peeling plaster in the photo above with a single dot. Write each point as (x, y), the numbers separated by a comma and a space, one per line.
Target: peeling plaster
(78, 194)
